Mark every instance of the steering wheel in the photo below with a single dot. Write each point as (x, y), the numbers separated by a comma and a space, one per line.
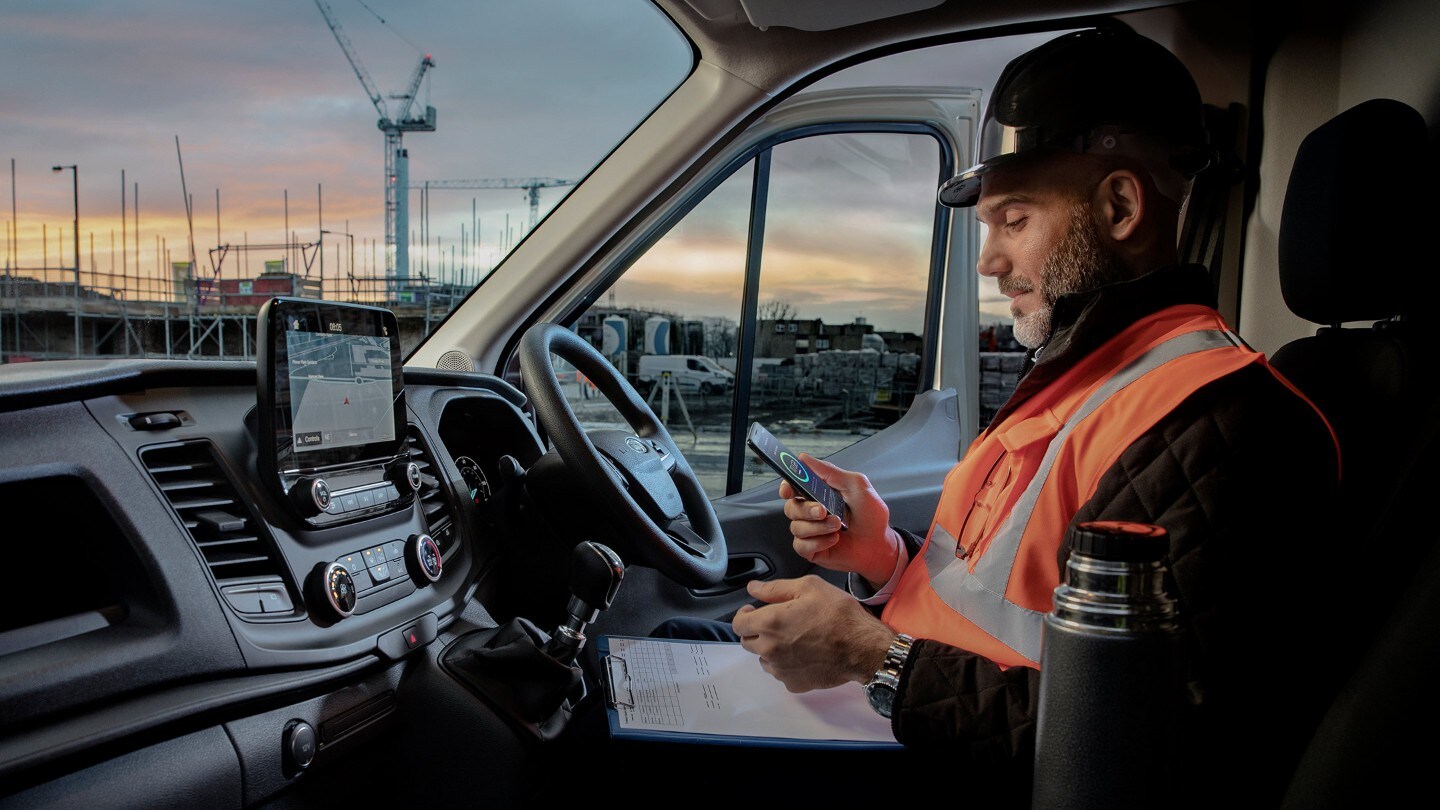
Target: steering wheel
(650, 492)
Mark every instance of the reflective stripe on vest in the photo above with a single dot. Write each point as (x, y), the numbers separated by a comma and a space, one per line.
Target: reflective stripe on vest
(980, 595)
(1007, 504)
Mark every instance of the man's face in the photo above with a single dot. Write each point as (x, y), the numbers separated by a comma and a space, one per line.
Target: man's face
(1042, 242)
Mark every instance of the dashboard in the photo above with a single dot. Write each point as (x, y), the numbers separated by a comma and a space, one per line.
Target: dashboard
(176, 599)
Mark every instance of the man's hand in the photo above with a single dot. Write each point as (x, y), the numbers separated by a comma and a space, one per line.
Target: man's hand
(868, 548)
(811, 635)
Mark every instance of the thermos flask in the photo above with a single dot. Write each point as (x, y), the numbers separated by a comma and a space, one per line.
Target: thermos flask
(1112, 682)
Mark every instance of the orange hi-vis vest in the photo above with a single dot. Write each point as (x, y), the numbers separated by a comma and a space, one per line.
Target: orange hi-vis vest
(986, 575)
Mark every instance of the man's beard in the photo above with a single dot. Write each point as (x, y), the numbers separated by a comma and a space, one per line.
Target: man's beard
(1078, 263)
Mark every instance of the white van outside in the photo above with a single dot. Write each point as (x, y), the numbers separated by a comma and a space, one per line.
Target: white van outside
(690, 373)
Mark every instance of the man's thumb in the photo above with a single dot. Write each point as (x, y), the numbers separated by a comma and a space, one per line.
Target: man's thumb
(829, 473)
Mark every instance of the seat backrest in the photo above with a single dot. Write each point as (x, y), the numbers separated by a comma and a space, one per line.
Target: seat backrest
(1355, 221)
(1354, 248)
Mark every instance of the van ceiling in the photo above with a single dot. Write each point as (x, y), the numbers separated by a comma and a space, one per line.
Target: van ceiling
(771, 43)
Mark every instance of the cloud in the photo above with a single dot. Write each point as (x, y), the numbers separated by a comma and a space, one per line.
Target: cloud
(264, 101)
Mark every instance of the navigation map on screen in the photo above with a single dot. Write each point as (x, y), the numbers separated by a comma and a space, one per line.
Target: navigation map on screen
(340, 390)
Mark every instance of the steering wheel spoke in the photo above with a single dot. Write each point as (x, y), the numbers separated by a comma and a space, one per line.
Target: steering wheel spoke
(667, 456)
(679, 530)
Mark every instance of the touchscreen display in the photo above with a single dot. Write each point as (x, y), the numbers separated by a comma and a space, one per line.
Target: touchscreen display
(330, 383)
(340, 394)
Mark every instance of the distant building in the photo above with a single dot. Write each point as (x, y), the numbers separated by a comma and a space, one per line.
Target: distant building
(903, 342)
(790, 337)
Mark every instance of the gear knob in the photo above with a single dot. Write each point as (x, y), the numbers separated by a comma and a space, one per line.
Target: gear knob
(595, 574)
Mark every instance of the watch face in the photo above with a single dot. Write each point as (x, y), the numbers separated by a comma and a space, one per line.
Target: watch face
(881, 697)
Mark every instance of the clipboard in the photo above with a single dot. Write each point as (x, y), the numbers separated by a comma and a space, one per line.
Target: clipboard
(716, 693)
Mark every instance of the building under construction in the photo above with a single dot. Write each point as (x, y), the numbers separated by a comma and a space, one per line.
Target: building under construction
(59, 313)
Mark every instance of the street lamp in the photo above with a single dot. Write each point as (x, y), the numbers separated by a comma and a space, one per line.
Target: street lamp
(75, 171)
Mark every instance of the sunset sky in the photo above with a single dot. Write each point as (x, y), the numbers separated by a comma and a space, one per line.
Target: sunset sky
(264, 102)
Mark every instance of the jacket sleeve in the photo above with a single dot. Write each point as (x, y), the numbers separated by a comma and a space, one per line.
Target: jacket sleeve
(948, 697)
(912, 541)
(1236, 475)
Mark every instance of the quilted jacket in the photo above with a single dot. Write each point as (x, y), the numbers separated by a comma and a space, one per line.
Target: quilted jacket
(1241, 475)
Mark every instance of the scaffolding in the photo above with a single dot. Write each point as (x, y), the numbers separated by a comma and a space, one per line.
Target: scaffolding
(54, 313)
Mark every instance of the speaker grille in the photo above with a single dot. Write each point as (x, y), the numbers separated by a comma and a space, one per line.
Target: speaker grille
(455, 360)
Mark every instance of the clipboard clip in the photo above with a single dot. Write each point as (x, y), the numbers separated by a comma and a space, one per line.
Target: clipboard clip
(617, 682)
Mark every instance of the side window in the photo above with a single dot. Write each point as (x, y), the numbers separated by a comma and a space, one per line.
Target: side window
(846, 265)
(796, 292)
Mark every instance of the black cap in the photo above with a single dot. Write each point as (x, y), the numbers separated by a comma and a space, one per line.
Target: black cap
(1120, 541)
(1084, 92)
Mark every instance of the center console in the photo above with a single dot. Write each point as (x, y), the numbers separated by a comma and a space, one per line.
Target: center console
(332, 441)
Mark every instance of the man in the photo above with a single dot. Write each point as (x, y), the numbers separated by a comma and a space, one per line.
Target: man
(1140, 406)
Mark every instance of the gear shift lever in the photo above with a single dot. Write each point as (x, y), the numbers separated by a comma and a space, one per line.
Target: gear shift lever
(595, 574)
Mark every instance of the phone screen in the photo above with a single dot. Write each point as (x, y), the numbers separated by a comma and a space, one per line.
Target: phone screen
(788, 465)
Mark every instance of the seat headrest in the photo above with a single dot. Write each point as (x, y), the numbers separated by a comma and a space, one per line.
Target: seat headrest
(1355, 217)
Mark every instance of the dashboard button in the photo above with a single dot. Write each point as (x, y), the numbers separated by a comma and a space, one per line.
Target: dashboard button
(401, 641)
(380, 571)
(365, 497)
(163, 420)
(274, 598)
(362, 578)
(244, 598)
(444, 535)
(395, 551)
(373, 555)
(349, 503)
(391, 493)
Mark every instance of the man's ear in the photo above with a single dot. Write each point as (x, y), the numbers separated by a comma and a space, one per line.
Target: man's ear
(1121, 203)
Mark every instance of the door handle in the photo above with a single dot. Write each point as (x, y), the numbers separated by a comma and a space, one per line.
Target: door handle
(739, 570)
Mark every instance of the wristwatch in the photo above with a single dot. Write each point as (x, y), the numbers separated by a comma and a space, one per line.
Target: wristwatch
(880, 689)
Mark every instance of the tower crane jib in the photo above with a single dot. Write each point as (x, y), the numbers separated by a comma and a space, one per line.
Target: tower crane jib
(531, 186)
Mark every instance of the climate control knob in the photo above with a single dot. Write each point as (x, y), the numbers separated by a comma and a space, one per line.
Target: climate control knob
(332, 590)
(422, 557)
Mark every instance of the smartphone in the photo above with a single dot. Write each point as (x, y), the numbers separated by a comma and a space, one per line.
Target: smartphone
(788, 465)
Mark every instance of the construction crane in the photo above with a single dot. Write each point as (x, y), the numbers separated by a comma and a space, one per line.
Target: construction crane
(397, 159)
(531, 185)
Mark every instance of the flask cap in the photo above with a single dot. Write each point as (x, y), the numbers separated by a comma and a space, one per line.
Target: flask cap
(1119, 541)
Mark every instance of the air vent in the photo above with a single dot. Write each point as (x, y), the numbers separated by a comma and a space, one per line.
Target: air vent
(219, 522)
(432, 493)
